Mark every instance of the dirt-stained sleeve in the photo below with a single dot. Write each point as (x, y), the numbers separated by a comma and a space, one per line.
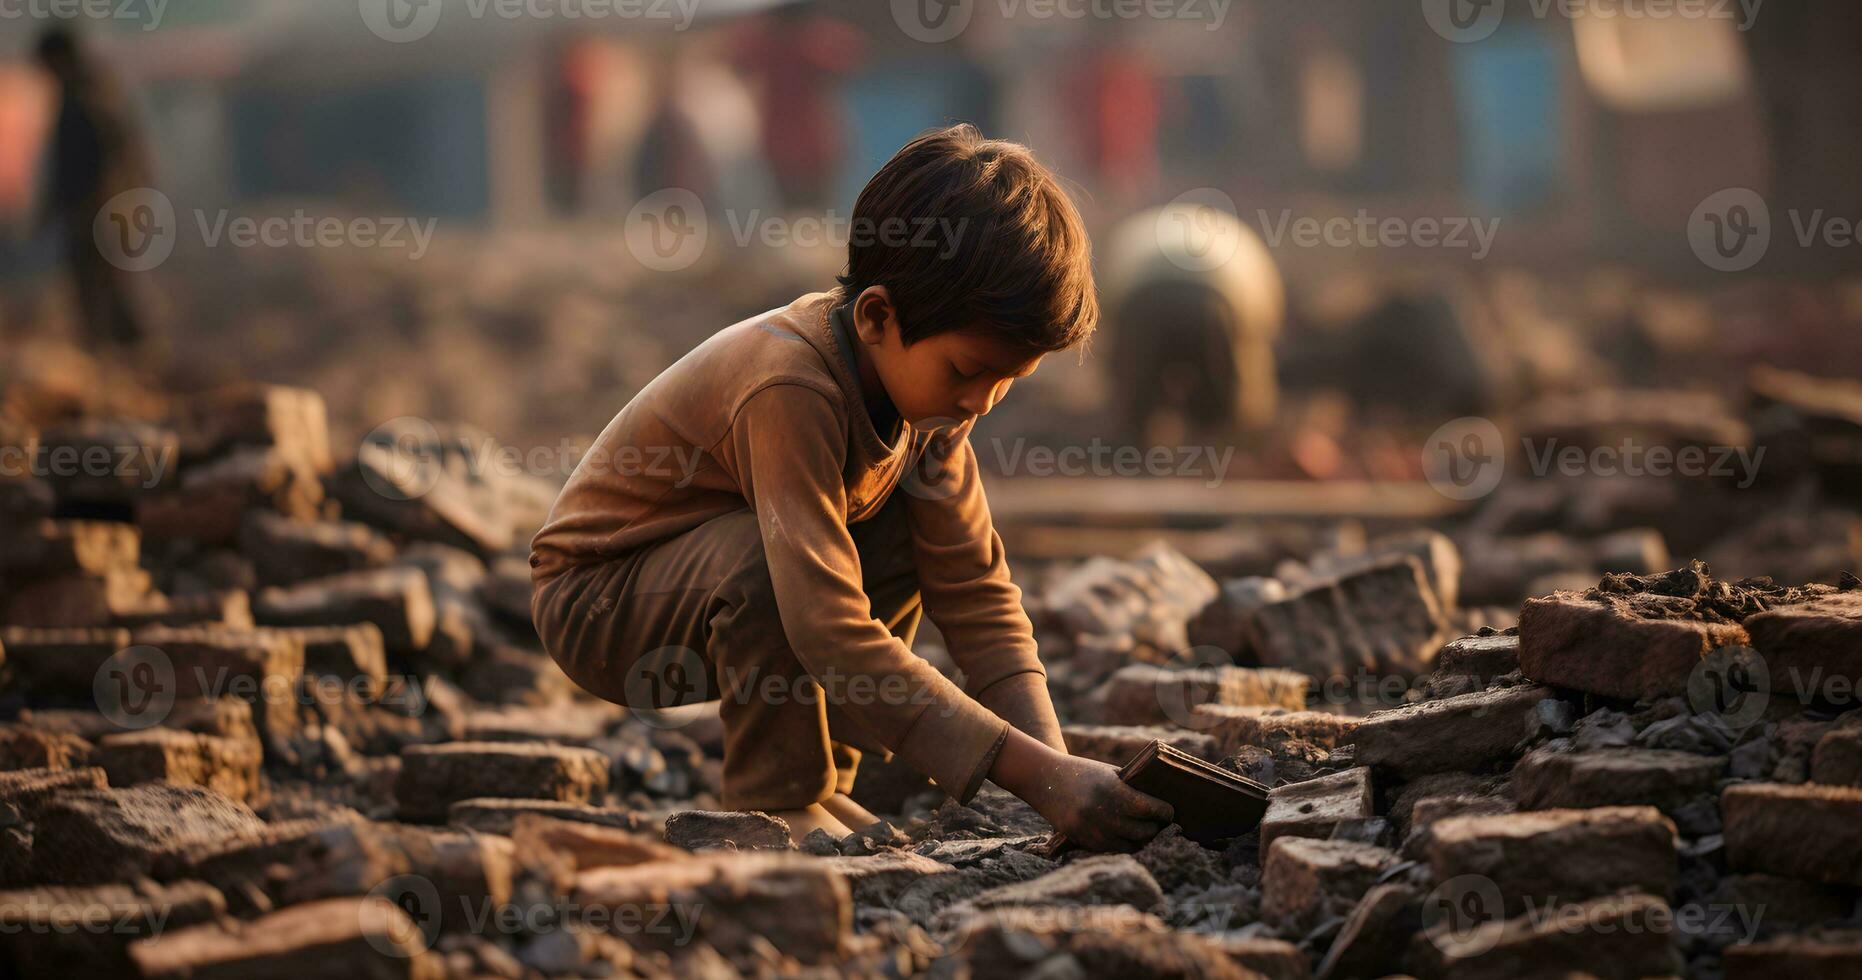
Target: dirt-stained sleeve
(789, 444)
(963, 575)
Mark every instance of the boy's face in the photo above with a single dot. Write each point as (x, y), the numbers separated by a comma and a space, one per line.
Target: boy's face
(940, 381)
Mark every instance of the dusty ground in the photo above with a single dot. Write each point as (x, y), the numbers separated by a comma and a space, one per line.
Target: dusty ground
(277, 710)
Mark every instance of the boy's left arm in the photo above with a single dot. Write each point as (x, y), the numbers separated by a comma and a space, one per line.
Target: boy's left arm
(963, 577)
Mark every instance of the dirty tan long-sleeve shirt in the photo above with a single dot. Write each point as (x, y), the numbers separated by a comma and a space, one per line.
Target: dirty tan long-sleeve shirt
(768, 414)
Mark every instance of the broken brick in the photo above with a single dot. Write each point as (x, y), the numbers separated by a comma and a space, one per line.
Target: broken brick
(753, 830)
(433, 777)
(747, 901)
(1304, 882)
(99, 835)
(489, 815)
(397, 600)
(1115, 745)
(1661, 778)
(1112, 942)
(1465, 732)
(879, 879)
(228, 765)
(1547, 856)
(340, 937)
(85, 932)
(1147, 694)
(1801, 831)
(1272, 728)
(1380, 620)
(1615, 937)
(1829, 955)
(1314, 807)
(1481, 657)
(1579, 644)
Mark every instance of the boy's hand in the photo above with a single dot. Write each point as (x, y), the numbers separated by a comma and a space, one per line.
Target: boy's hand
(1083, 799)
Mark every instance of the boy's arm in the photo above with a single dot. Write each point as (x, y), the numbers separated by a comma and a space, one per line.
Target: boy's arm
(789, 444)
(963, 576)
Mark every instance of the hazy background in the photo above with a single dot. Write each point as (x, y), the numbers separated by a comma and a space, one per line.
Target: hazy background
(1596, 143)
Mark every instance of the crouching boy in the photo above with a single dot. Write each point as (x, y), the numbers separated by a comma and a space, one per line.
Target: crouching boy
(765, 523)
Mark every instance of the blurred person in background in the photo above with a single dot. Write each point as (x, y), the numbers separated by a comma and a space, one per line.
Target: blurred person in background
(797, 58)
(97, 153)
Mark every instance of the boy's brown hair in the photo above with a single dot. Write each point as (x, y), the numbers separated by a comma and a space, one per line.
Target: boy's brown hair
(966, 232)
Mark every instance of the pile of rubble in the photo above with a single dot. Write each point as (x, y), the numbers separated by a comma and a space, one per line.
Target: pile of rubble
(275, 709)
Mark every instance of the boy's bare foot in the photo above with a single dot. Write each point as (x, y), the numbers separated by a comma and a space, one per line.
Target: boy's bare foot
(808, 818)
(848, 812)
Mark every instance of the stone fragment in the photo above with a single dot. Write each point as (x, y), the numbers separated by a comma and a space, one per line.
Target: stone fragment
(490, 815)
(1304, 882)
(1837, 759)
(85, 932)
(1547, 856)
(1825, 955)
(210, 505)
(397, 600)
(1275, 959)
(1481, 657)
(1381, 620)
(101, 835)
(1105, 879)
(433, 777)
(1784, 900)
(56, 547)
(1115, 745)
(1615, 937)
(1801, 831)
(228, 765)
(1429, 809)
(59, 662)
(753, 830)
(1376, 933)
(1113, 941)
(1271, 728)
(586, 844)
(292, 420)
(749, 901)
(26, 747)
(1314, 807)
(76, 599)
(1466, 732)
(286, 551)
(1813, 647)
(227, 608)
(362, 936)
(1147, 694)
(1223, 623)
(879, 879)
(1667, 780)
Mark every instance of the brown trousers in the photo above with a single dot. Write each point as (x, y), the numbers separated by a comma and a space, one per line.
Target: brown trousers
(693, 618)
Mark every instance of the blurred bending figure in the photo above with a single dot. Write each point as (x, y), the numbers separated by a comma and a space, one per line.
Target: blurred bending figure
(97, 152)
(1196, 302)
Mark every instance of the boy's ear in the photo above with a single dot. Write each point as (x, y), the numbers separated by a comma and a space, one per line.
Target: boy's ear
(873, 312)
